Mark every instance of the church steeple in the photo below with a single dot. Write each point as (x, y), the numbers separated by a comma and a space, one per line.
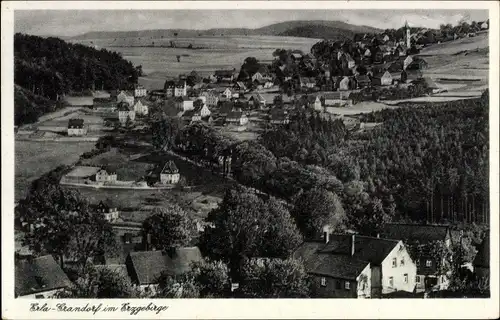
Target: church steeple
(407, 28)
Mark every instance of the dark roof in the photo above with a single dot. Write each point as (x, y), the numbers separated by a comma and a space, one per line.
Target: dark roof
(149, 265)
(380, 75)
(170, 167)
(235, 115)
(362, 78)
(226, 107)
(78, 123)
(412, 232)
(482, 258)
(38, 275)
(336, 95)
(334, 258)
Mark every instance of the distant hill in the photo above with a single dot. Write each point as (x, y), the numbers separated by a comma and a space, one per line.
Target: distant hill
(299, 28)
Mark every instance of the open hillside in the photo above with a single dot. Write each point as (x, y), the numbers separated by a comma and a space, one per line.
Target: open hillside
(309, 29)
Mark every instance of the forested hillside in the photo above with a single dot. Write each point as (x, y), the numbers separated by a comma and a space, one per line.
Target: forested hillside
(48, 67)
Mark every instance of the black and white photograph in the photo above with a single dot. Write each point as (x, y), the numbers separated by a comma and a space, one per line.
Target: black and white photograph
(208, 153)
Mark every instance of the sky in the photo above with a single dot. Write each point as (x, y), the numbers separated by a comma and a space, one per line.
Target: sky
(75, 22)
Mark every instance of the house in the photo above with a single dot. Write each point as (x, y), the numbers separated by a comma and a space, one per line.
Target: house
(145, 267)
(400, 50)
(224, 75)
(212, 98)
(101, 94)
(355, 266)
(411, 75)
(169, 108)
(337, 98)
(240, 87)
(317, 104)
(279, 116)
(484, 25)
(76, 127)
(482, 260)
(226, 108)
(227, 93)
(261, 77)
(39, 278)
(367, 53)
(257, 99)
(184, 104)
(139, 91)
(175, 88)
(197, 114)
(306, 82)
(428, 276)
(125, 97)
(382, 79)
(407, 62)
(417, 64)
(110, 212)
(140, 109)
(363, 81)
(106, 175)
(237, 117)
(345, 84)
(169, 174)
(104, 105)
(296, 56)
(125, 112)
(386, 38)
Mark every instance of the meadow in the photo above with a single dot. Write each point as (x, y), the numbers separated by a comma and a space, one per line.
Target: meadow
(35, 158)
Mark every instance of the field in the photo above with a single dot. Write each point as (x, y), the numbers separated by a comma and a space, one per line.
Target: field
(217, 53)
(33, 159)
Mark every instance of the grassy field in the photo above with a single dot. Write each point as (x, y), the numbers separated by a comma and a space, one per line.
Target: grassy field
(33, 159)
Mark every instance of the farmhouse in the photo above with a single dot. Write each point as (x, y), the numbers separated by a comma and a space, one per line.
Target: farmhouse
(39, 278)
(110, 212)
(382, 79)
(175, 88)
(354, 266)
(261, 77)
(106, 175)
(237, 117)
(141, 109)
(76, 101)
(212, 98)
(139, 91)
(417, 64)
(363, 81)
(224, 75)
(169, 174)
(125, 112)
(125, 97)
(197, 114)
(184, 104)
(240, 87)
(76, 127)
(145, 267)
(337, 98)
(428, 275)
(257, 99)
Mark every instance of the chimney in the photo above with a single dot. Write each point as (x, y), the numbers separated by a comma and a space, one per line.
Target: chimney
(353, 241)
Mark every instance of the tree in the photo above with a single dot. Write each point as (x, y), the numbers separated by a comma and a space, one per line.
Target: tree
(244, 225)
(177, 286)
(100, 283)
(212, 278)
(169, 227)
(164, 133)
(317, 208)
(274, 278)
(63, 225)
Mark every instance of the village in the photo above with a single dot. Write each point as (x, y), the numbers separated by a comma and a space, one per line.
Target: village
(129, 176)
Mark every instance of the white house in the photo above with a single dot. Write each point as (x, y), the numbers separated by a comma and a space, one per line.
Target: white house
(140, 91)
(237, 117)
(141, 109)
(175, 88)
(124, 97)
(344, 84)
(76, 127)
(125, 111)
(484, 25)
(106, 175)
(169, 174)
(317, 104)
(212, 98)
(184, 104)
(227, 93)
(110, 212)
(261, 77)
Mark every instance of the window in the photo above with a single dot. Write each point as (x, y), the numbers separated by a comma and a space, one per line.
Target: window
(417, 279)
(394, 263)
(391, 282)
(428, 263)
(402, 263)
(406, 277)
(323, 282)
(347, 285)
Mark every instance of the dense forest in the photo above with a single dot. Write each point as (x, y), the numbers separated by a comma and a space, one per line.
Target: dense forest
(50, 67)
(424, 163)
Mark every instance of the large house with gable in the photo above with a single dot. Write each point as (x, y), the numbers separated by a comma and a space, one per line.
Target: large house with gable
(355, 266)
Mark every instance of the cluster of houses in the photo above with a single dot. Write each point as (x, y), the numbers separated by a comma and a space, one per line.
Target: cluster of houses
(341, 265)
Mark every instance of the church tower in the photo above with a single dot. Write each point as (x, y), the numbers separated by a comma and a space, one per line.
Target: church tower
(407, 28)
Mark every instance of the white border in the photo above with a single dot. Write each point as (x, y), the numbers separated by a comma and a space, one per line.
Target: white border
(260, 308)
